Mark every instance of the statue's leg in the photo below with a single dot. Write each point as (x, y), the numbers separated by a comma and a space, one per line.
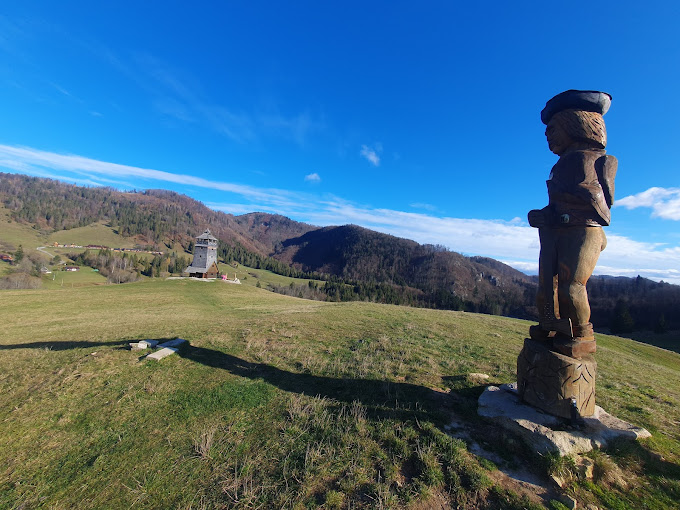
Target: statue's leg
(546, 297)
(579, 249)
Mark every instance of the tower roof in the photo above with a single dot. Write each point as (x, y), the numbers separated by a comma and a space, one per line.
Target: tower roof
(206, 236)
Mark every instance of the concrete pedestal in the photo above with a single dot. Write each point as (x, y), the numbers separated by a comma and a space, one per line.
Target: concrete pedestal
(552, 381)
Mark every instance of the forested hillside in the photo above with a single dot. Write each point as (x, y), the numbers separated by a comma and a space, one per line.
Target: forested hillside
(628, 304)
(355, 263)
(447, 279)
(154, 216)
(272, 230)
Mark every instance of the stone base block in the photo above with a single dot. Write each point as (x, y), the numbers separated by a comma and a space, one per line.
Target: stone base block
(551, 381)
(547, 433)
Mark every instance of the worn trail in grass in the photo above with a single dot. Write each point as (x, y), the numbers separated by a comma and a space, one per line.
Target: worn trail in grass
(277, 401)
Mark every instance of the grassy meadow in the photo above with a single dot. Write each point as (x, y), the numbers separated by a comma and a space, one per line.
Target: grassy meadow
(250, 276)
(278, 402)
(15, 234)
(83, 277)
(96, 233)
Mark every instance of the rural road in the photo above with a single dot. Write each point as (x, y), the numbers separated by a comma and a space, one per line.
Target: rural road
(43, 250)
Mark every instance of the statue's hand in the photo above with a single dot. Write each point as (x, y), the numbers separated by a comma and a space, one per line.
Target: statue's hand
(539, 218)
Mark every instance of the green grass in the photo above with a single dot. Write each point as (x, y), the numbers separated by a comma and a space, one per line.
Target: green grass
(5, 267)
(250, 276)
(66, 279)
(15, 234)
(96, 233)
(280, 402)
(669, 340)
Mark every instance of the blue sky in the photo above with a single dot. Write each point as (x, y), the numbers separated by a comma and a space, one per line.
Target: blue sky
(419, 120)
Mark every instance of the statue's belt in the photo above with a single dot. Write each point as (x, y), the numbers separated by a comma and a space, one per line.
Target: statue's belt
(547, 217)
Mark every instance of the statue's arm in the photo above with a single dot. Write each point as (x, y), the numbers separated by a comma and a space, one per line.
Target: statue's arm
(597, 188)
(606, 168)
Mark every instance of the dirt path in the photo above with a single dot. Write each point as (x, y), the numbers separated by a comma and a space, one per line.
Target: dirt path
(43, 250)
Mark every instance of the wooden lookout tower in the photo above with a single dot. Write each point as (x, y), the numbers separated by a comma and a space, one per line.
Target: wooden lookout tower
(204, 264)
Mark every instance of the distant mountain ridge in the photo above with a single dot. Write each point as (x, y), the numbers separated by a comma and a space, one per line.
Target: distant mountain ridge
(427, 275)
(357, 253)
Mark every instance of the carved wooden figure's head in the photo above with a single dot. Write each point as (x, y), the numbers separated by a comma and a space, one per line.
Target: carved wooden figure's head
(575, 129)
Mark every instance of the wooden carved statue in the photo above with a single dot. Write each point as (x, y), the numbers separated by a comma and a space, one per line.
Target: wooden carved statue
(581, 193)
(556, 370)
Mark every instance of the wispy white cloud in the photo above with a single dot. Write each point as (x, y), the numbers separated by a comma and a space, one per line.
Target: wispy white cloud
(510, 241)
(69, 179)
(66, 93)
(313, 177)
(296, 128)
(421, 205)
(61, 89)
(470, 236)
(10, 32)
(625, 252)
(667, 275)
(35, 160)
(236, 208)
(183, 98)
(173, 108)
(18, 165)
(177, 94)
(664, 202)
(371, 154)
(521, 265)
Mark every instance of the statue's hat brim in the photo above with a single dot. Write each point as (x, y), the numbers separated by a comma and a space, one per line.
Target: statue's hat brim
(584, 100)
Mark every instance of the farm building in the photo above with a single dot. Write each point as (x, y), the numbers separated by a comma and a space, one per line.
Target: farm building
(204, 264)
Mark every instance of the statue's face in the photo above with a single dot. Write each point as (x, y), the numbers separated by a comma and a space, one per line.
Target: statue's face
(558, 139)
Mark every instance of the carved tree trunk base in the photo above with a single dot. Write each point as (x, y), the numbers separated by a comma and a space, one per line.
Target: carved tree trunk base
(550, 381)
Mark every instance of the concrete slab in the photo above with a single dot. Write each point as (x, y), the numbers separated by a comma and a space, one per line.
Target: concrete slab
(173, 343)
(546, 433)
(145, 344)
(162, 353)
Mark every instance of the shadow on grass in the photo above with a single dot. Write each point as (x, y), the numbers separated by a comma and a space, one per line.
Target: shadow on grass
(62, 346)
(383, 398)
